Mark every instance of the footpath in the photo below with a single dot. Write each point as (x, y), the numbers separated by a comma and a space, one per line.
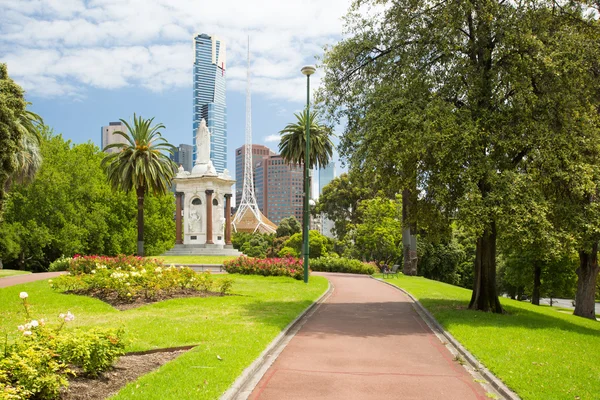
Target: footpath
(18, 279)
(366, 342)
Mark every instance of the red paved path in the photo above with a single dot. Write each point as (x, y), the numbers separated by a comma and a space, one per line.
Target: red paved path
(18, 279)
(366, 342)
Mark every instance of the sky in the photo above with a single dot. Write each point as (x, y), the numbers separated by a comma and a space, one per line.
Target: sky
(85, 63)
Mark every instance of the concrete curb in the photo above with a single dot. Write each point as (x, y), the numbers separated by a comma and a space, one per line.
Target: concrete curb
(245, 383)
(477, 366)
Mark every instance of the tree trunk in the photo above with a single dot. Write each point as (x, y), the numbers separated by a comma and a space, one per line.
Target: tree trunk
(537, 282)
(587, 273)
(485, 296)
(409, 234)
(140, 236)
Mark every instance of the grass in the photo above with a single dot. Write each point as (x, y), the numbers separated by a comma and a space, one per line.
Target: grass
(195, 259)
(538, 352)
(237, 328)
(12, 272)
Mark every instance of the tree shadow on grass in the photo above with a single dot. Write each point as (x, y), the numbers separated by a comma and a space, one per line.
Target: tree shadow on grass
(450, 312)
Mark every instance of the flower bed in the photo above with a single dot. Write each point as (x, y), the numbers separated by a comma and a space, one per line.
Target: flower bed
(37, 363)
(289, 266)
(347, 265)
(126, 279)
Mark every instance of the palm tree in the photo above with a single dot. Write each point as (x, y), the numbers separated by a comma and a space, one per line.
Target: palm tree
(28, 157)
(293, 141)
(141, 164)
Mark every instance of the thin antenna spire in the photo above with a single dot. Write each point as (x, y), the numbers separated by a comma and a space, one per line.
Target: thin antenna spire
(248, 202)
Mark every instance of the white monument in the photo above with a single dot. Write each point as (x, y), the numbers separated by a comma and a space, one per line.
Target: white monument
(203, 198)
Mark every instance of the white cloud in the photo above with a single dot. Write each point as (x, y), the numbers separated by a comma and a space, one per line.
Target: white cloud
(273, 138)
(116, 43)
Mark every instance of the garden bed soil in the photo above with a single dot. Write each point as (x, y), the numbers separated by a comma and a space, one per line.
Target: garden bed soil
(127, 369)
(116, 302)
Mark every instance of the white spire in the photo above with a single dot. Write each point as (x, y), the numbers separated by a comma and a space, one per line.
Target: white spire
(248, 202)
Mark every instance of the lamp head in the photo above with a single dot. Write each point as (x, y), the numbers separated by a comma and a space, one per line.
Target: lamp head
(308, 70)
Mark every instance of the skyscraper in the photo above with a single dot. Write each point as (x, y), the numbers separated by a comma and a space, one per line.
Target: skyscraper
(209, 95)
(107, 135)
(183, 156)
(282, 188)
(258, 152)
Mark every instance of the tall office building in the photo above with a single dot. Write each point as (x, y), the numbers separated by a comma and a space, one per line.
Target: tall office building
(326, 175)
(258, 152)
(183, 155)
(107, 135)
(209, 95)
(281, 185)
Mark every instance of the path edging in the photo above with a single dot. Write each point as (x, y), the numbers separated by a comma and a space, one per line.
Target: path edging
(476, 364)
(270, 354)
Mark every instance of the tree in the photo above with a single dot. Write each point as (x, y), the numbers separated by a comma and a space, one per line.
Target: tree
(12, 107)
(141, 165)
(378, 237)
(293, 141)
(70, 209)
(339, 202)
(288, 226)
(462, 90)
(319, 245)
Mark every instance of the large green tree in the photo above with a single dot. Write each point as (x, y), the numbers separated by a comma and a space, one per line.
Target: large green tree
(458, 89)
(141, 165)
(71, 209)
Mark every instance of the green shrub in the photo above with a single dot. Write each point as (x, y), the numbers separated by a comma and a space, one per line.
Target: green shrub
(93, 350)
(288, 252)
(337, 264)
(267, 267)
(319, 245)
(36, 364)
(60, 264)
(30, 370)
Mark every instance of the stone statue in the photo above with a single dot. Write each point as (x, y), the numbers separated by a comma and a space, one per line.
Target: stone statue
(202, 143)
(195, 223)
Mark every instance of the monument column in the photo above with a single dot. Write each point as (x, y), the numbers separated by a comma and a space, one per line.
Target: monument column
(228, 218)
(209, 219)
(178, 210)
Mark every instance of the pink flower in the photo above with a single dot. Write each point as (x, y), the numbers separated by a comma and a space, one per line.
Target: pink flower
(21, 328)
(27, 333)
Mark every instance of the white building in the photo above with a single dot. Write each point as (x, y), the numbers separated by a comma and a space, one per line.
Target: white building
(108, 136)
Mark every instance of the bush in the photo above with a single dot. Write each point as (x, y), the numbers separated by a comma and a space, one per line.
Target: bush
(60, 264)
(126, 279)
(36, 364)
(319, 245)
(288, 252)
(336, 264)
(267, 267)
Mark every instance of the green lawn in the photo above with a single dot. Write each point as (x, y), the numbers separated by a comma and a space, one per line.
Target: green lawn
(237, 328)
(195, 259)
(12, 272)
(538, 352)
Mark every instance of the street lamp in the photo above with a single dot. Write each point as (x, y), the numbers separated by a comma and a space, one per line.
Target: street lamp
(307, 70)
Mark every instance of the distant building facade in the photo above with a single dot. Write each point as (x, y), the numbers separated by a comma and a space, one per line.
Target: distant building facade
(183, 156)
(258, 152)
(209, 95)
(107, 135)
(326, 175)
(282, 188)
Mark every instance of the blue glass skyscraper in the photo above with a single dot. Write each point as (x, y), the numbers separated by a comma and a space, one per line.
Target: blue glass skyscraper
(209, 96)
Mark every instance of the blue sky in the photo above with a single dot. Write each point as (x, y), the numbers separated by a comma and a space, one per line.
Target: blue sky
(86, 63)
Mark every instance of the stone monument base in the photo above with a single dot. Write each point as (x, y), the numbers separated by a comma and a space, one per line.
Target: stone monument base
(202, 250)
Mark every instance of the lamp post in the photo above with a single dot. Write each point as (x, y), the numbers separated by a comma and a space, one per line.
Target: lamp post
(307, 70)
